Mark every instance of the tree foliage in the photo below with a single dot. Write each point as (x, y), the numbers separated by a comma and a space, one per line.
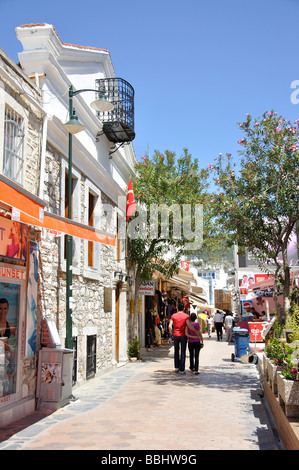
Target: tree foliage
(165, 180)
(258, 195)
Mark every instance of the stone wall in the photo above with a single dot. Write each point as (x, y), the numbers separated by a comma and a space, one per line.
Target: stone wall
(88, 316)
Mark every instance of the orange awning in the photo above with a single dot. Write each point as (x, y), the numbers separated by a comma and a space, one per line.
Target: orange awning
(15, 196)
(32, 213)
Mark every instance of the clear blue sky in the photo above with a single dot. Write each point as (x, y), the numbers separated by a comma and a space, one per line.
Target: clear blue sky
(197, 66)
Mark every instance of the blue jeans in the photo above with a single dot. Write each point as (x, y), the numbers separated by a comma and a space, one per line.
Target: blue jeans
(194, 350)
(180, 344)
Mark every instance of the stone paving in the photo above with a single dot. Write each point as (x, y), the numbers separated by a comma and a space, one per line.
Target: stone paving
(147, 406)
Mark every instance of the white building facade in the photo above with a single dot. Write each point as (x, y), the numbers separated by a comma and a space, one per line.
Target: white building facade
(100, 175)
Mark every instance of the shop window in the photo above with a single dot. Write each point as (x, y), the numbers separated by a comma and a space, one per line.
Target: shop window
(91, 354)
(9, 312)
(13, 151)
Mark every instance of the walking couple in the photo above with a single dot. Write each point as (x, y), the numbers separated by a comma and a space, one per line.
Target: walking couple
(183, 328)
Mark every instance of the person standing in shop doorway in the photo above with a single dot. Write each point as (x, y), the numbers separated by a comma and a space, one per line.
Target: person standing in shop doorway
(177, 327)
(218, 323)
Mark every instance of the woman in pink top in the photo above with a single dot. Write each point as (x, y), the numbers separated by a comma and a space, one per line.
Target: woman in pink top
(195, 341)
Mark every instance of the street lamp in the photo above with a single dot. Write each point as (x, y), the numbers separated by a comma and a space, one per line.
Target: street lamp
(73, 126)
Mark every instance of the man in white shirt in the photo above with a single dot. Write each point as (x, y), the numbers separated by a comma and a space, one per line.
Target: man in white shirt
(218, 323)
(229, 323)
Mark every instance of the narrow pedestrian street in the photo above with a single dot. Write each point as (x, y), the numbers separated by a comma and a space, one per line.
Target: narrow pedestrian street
(147, 406)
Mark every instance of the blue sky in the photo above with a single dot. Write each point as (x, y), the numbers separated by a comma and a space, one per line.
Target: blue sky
(197, 66)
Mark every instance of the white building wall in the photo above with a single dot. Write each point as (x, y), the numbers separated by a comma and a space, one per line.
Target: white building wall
(59, 66)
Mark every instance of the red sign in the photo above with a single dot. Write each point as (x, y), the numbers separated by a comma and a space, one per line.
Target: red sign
(185, 265)
(260, 277)
(255, 331)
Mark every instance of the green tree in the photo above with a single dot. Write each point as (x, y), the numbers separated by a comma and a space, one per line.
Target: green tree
(258, 195)
(156, 243)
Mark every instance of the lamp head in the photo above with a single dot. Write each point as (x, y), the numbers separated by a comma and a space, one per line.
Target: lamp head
(102, 104)
(73, 126)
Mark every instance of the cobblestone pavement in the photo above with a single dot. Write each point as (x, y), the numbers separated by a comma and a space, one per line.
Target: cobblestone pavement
(148, 406)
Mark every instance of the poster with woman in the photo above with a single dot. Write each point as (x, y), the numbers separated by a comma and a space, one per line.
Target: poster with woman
(13, 239)
(9, 309)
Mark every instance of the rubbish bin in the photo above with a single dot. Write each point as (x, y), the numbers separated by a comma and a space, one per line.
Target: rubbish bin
(241, 338)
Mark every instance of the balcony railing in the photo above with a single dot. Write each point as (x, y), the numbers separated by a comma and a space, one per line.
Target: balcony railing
(118, 124)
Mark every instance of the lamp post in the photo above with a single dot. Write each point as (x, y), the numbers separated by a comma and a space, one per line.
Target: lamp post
(73, 126)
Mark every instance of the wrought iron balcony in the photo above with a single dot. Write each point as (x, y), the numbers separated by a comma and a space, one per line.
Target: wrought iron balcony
(118, 124)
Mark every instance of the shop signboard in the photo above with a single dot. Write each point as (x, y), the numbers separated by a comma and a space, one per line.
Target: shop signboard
(260, 277)
(147, 288)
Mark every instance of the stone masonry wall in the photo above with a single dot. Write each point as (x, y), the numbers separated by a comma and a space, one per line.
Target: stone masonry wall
(89, 316)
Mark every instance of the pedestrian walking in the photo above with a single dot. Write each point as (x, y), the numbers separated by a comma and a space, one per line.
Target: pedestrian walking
(195, 342)
(218, 323)
(209, 323)
(177, 327)
(229, 324)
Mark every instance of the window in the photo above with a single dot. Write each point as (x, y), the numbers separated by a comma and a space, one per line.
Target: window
(13, 151)
(92, 218)
(91, 208)
(91, 354)
(76, 212)
(66, 203)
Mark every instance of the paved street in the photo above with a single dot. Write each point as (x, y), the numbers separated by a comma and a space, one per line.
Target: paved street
(147, 406)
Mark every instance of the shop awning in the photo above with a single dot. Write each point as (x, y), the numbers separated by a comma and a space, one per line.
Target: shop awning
(31, 212)
(194, 299)
(13, 195)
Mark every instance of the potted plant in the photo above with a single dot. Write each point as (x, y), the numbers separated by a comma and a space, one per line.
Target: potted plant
(275, 355)
(134, 349)
(288, 390)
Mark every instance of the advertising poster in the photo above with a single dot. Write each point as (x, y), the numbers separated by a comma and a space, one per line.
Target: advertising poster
(246, 305)
(246, 280)
(51, 373)
(32, 300)
(13, 239)
(9, 311)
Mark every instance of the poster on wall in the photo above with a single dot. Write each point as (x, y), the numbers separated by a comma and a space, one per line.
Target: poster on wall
(13, 239)
(9, 312)
(246, 280)
(32, 300)
(51, 373)
(246, 305)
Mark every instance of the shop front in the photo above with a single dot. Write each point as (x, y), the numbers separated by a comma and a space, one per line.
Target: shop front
(18, 319)
(161, 299)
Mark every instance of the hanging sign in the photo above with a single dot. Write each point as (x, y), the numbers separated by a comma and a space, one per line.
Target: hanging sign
(147, 288)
